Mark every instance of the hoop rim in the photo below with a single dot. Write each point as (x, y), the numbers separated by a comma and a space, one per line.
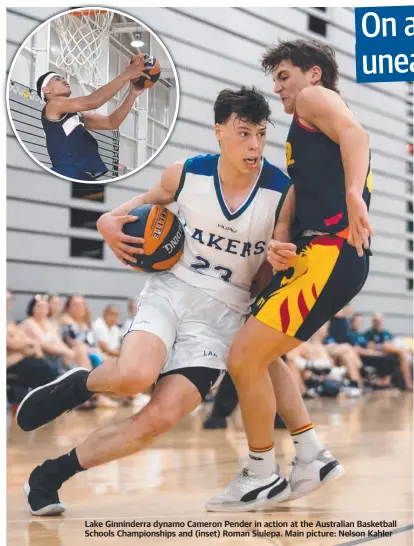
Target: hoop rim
(87, 12)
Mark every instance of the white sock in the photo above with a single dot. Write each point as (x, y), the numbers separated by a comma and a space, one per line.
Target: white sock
(262, 463)
(306, 443)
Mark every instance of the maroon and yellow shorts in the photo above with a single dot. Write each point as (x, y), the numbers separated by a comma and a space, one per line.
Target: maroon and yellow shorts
(327, 273)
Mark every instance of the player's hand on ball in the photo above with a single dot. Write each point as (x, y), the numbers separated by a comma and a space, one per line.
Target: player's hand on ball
(110, 227)
(136, 91)
(136, 67)
(358, 220)
(139, 61)
(281, 255)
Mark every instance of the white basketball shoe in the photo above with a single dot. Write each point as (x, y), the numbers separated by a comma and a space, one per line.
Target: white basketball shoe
(250, 492)
(306, 477)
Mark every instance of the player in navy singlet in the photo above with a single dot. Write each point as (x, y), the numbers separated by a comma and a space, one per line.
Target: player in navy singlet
(320, 256)
(314, 163)
(72, 149)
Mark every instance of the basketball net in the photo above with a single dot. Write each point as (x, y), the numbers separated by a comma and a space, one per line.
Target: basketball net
(81, 35)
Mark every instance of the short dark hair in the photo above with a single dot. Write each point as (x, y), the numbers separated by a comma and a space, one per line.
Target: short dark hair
(32, 303)
(304, 54)
(248, 104)
(39, 83)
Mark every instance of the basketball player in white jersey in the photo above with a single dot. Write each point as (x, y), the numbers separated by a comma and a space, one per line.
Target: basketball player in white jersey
(188, 316)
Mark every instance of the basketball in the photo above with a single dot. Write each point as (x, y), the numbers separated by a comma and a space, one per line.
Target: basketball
(152, 69)
(163, 234)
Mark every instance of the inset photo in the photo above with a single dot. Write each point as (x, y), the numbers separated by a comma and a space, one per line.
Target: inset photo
(93, 95)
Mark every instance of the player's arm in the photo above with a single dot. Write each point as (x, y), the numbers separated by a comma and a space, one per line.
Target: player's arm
(111, 223)
(325, 110)
(61, 105)
(115, 119)
(281, 251)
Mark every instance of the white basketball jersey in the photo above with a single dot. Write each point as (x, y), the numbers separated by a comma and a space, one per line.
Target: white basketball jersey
(223, 250)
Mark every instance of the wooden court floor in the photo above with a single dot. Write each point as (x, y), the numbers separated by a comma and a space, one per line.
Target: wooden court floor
(168, 484)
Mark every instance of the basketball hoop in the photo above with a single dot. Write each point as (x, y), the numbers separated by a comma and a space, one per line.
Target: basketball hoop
(81, 34)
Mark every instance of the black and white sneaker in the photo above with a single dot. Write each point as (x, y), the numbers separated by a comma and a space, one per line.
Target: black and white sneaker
(42, 496)
(250, 492)
(306, 477)
(45, 403)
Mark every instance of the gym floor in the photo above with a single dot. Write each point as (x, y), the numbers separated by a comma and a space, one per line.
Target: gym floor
(169, 483)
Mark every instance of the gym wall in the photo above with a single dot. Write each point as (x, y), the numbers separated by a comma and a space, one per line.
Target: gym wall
(212, 48)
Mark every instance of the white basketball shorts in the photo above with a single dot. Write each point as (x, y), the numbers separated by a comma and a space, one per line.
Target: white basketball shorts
(196, 328)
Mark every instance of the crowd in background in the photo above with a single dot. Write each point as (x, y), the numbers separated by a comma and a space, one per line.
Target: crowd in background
(58, 335)
(342, 350)
(339, 360)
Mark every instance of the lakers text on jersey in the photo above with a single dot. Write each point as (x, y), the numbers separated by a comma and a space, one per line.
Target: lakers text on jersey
(223, 249)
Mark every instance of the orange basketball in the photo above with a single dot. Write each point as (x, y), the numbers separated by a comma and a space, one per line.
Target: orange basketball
(152, 69)
(163, 236)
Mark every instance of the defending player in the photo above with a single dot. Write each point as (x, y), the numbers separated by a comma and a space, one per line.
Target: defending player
(328, 159)
(72, 149)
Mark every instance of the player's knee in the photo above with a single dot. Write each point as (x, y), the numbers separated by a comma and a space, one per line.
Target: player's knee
(132, 380)
(238, 367)
(234, 364)
(160, 419)
(130, 385)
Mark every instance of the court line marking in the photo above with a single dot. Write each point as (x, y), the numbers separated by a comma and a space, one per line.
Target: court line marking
(369, 539)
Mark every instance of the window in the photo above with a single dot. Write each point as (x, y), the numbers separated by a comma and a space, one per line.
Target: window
(409, 226)
(410, 245)
(81, 218)
(316, 24)
(410, 264)
(128, 153)
(89, 192)
(86, 248)
(410, 284)
(158, 117)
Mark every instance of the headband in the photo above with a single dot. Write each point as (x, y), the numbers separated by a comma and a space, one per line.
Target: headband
(46, 81)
